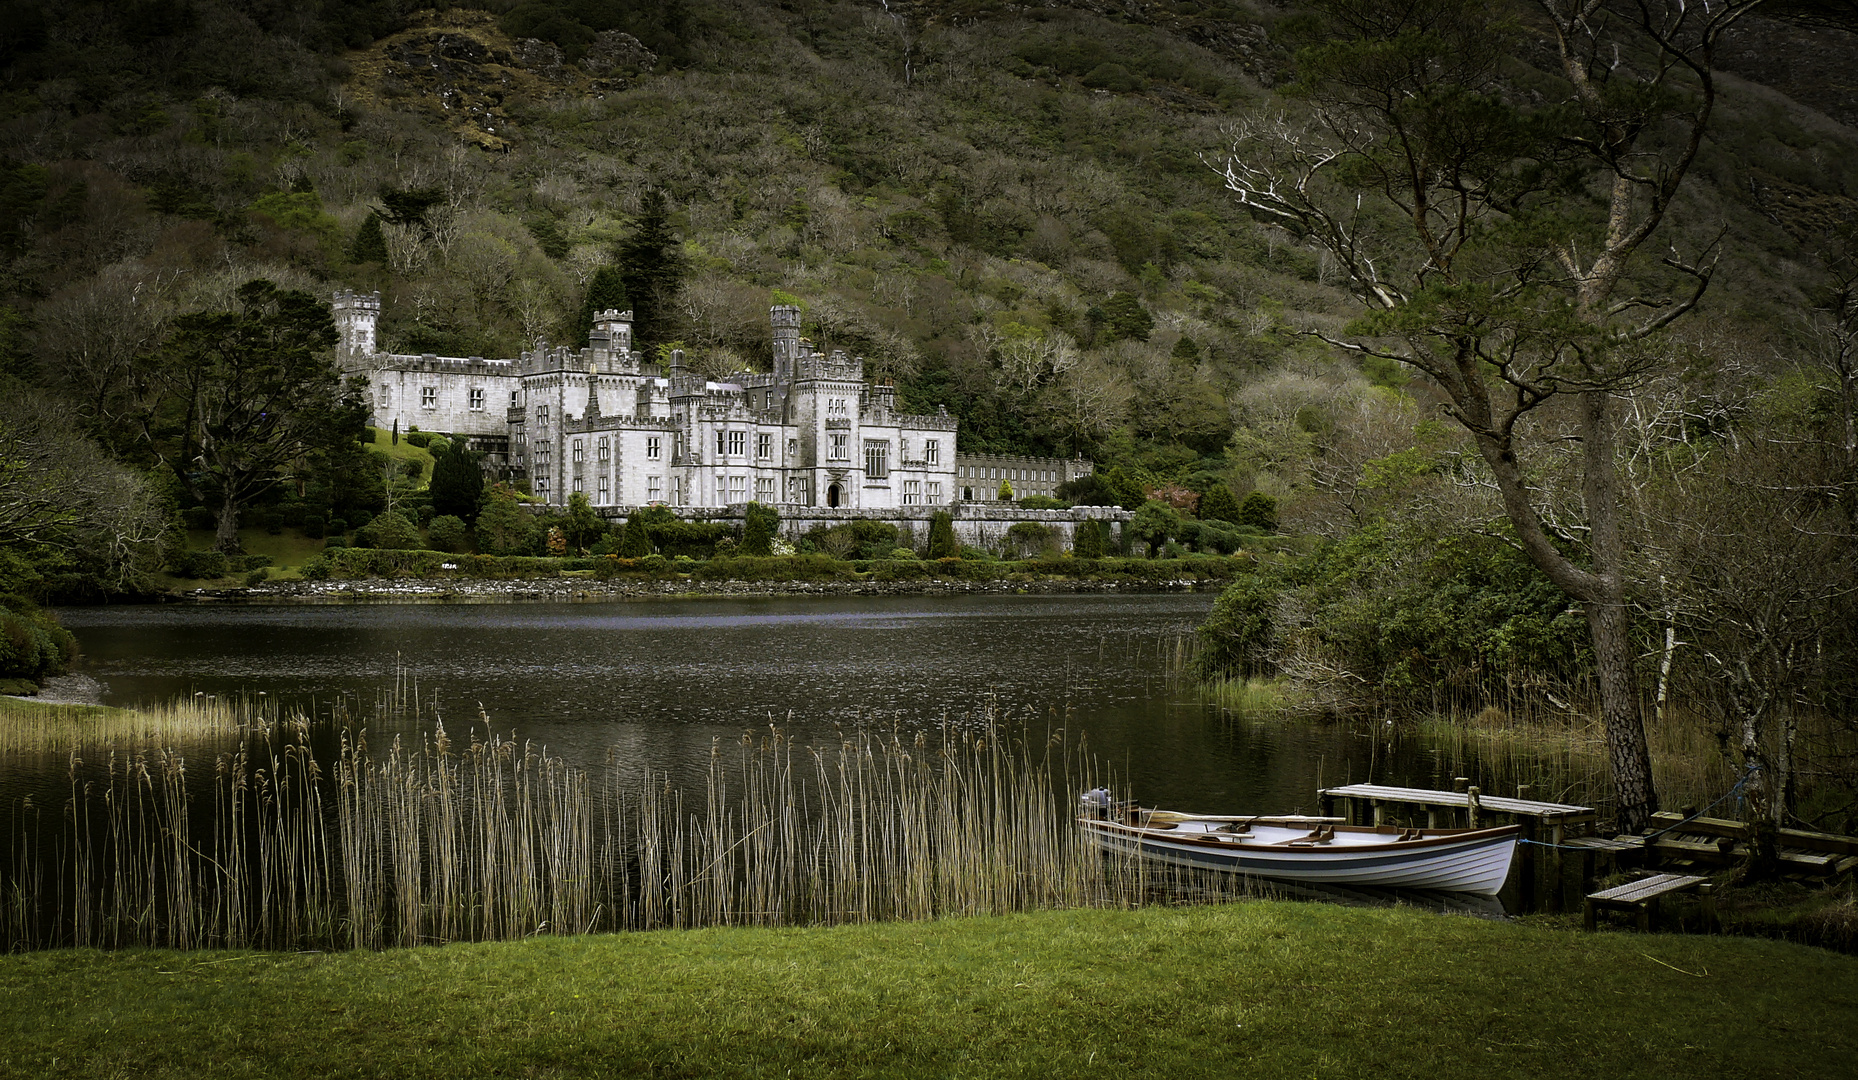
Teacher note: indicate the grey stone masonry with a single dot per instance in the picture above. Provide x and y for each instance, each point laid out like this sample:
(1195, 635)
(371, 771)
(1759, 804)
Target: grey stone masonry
(599, 422)
(978, 476)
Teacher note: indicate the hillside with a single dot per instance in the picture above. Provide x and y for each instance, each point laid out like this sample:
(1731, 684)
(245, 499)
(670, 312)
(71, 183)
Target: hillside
(1010, 210)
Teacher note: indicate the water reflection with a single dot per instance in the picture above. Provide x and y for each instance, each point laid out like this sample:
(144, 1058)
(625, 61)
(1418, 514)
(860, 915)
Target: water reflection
(658, 682)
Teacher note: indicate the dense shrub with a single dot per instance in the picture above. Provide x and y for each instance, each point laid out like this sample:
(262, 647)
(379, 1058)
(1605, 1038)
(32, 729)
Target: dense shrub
(857, 539)
(391, 530)
(1088, 542)
(32, 644)
(1408, 621)
(421, 439)
(198, 564)
(504, 527)
(758, 528)
(448, 532)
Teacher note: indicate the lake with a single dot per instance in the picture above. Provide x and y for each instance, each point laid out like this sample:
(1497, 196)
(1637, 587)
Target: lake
(657, 682)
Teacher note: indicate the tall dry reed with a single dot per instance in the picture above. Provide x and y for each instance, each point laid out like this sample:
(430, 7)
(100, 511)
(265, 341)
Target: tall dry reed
(433, 841)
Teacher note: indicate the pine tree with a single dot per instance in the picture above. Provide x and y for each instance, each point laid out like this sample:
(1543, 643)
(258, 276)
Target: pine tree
(606, 291)
(652, 264)
(370, 243)
(1088, 541)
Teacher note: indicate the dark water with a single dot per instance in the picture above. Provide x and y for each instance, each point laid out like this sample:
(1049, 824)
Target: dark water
(658, 682)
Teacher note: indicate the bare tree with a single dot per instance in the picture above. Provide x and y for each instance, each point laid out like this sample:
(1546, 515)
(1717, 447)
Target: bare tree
(1460, 219)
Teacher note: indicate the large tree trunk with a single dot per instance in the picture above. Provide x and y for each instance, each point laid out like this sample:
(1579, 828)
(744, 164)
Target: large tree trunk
(226, 535)
(1608, 620)
(1620, 715)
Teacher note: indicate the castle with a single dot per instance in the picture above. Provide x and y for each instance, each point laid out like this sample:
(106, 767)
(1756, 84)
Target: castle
(599, 422)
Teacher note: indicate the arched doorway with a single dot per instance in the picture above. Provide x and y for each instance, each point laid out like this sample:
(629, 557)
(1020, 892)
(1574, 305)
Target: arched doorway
(832, 495)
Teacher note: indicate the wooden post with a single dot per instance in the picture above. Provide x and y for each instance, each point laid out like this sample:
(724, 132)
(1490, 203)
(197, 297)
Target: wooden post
(1590, 915)
(1376, 810)
(1471, 807)
(1328, 803)
(1709, 907)
(1557, 832)
(1458, 782)
(1432, 817)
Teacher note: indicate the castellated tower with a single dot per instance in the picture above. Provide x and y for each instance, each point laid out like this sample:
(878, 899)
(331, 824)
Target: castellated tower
(355, 317)
(786, 320)
(612, 333)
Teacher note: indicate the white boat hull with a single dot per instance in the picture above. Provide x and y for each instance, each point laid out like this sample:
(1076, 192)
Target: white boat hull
(1456, 860)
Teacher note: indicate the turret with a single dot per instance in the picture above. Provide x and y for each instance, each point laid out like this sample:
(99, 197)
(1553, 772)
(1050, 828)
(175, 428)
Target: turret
(786, 320)
(356, 315)
(612, 332)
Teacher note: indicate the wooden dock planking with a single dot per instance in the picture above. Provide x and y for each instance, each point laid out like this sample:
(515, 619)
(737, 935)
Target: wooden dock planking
(1460, 800)
(1642, 896)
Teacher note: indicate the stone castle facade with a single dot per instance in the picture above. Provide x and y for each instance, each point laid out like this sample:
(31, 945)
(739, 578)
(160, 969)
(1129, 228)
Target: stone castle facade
(600, 422)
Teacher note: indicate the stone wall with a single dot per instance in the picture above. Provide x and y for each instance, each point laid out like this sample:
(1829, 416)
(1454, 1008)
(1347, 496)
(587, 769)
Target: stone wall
(981, 525)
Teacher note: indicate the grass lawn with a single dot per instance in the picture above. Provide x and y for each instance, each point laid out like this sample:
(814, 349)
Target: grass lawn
(1255, 989)
(404, 451)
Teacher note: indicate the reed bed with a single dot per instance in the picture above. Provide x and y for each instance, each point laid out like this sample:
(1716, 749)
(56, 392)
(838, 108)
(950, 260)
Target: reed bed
(487, 839)
(30, 726)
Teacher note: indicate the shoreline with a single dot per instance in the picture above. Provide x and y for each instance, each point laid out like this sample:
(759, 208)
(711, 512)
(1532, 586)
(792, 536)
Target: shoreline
(593, 590)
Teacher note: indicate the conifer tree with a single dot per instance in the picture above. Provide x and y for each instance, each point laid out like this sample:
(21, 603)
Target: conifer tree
(370, 244)
(651, 264)
(942, 542)
(606, 291)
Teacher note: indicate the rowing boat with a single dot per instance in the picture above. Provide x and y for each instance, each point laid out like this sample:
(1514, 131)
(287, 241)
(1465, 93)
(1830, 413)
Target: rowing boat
(1309, 849)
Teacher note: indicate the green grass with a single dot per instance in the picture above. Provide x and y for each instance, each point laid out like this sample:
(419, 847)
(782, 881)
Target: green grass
(1254, 989)
(404, 451)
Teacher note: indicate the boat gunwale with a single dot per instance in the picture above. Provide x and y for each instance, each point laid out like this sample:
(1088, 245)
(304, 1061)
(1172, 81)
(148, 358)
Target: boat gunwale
(1393, 843)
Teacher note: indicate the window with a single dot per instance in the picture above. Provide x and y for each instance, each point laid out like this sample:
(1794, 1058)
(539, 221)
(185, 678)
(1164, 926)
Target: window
(387, 395)
(541, 487)
(577, 451)
(768, 400)
(577, 485)
(912, 492)
(654, 489)
(876, 459)
(541, 413)
(541, 457)
(603, 489)
(932, 452)
(477, 399)
(764, 489)
(738, 489)
(514, 403)
(935, 493)
(764, 445)
(428, 397)
(604, 451)
(839, 450)
(738, 442)
(652, 447)
(720, 436)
